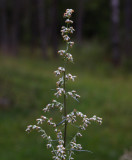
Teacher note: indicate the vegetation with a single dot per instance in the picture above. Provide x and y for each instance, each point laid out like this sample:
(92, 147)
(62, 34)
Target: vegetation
(59, 145)
(23, 90)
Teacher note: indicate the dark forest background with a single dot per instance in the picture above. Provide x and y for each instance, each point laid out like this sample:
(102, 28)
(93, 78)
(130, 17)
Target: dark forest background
(36, 24)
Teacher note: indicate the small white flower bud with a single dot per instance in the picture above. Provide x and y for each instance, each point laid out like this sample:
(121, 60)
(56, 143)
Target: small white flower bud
(68, 21)
(49, 145)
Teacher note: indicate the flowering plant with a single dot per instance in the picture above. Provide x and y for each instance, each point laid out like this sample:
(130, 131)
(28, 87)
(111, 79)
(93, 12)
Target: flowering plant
(60, 147)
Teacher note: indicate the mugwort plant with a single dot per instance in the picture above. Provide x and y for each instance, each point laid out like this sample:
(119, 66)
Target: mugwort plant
(61, 149)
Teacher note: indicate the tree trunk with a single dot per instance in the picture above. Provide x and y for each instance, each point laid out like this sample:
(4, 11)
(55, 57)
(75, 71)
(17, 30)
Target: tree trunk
(54, 27)
(128, 28)
(34, 25)
(31, 23)
(42, 27)
(79, 25)
(116, 56)
(15, 26)
(3, 27)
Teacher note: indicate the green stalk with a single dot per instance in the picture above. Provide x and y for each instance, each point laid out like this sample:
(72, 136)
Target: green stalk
(65, 109)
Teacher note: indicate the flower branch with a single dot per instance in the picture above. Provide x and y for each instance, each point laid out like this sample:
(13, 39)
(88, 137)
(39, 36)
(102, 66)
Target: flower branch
(61, 148)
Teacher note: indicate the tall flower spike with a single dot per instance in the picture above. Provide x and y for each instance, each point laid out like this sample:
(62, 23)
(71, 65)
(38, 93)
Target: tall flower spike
(63, 149)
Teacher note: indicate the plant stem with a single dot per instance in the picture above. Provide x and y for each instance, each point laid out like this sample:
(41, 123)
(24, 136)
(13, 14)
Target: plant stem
(65, 109)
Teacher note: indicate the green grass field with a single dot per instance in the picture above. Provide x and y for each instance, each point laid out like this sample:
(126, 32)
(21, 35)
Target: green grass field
(25, 88)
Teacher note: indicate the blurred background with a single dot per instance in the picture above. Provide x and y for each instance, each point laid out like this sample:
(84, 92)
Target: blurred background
(29, 40)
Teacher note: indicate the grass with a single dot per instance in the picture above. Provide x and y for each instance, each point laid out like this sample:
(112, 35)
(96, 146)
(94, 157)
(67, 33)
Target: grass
(25, 88)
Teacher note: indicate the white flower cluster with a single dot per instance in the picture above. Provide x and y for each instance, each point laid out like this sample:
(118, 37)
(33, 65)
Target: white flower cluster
(67, 56)
(71, 44)
(73, 94)
(60, 153)
(59, 135)
(65, 30)
(68, 21)
(59, 92)
(79, 134)
(54, 104)
(61, 52)
(97, 119)
(39, 129)
(68, 13)
(32, 127)
(60, 82)
(59, 71)
(66, 38)
(70, 77)
(43, 118)
(75, 146)
(51, 123)
(44, 135)
(71, 118)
